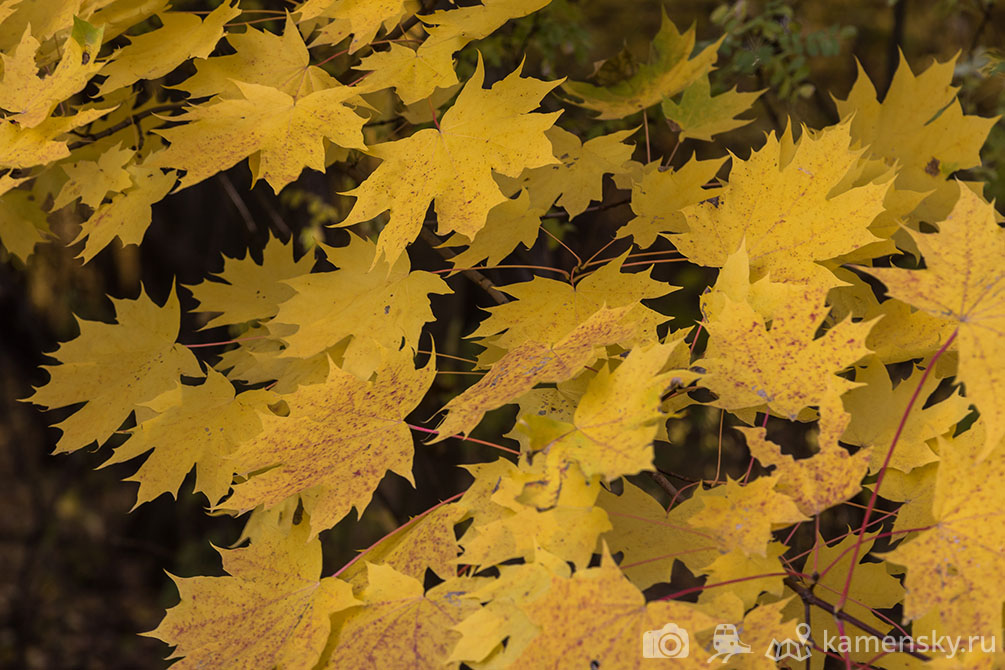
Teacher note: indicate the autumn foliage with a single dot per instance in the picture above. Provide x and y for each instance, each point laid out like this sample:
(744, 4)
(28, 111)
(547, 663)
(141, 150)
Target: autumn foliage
(859, 298)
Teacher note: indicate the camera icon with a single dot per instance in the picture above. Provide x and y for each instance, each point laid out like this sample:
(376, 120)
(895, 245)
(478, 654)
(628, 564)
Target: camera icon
(670, 641)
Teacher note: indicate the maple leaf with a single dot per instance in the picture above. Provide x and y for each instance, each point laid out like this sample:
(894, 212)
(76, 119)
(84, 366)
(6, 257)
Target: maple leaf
(964, 281)
(921, 127)
(154, 54)
(415, 74)
(196, 426)
(252, 292)
(285, 133)
(529, 364)
(22, 223)
(424, 542)
(31, 98)
(546, 505)
(341, 436)
(651, 538)
(598, 617)
(115, 367)
(485, 131)
(272, 610)
(27, 147)
(509, 223)
(753, 574)
(128, 214)
(91, 180)
(546, 310)
(261, 57)
(877, 409)
(743, 516)
(700, 115)
(363, 298)
(659, 195)
(669, 72)
(615, 422)
(948, 564)
(359, 18)
(786, 210)
(748, 364)
(398, 621)
(829, 477)
(578, 179)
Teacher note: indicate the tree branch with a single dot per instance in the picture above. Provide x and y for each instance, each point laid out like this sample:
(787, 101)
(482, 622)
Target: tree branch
(810, 598)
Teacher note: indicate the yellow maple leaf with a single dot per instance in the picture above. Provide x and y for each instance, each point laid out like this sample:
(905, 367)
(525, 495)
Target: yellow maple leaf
(877, 409)
(182, 35)
(749, 365)
(548, 504)
(964, 281)
(701, 115)
(115, 367)
(743, 516)
(921, 127)
(272, 610)
(128, 214)
(259, 57)
(615, 422)
(752, 574)
(669, 72)
(196, 426)
(27, 147)
(598, 617)
(359, 18)
(91, 180)
(785, 209)
(509, 223)
(363, 298)
(948, 565)
(427, 542)
(546, 310)
(31, 98)
(285, 133)
(651, 538)
(830, 476)
(416, 73)
(22, 223)
(399, 623)
(660, 195)
(252, 292)
(485, 131)
(341, 437)
(532, 363)
(578, 179)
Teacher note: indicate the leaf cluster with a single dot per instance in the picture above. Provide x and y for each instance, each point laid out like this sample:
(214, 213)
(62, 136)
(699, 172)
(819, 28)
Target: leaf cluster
(849, 338)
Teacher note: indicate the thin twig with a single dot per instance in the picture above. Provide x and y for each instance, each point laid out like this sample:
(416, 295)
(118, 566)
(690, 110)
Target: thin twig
(665, 484)
(474, 275)
(111, 130)
(595, 208)
(235, 197)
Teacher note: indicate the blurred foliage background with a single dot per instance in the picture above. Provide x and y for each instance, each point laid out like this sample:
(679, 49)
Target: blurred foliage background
(81, 574)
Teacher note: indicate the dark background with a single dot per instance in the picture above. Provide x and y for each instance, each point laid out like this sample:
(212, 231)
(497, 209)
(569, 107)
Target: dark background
(81, 575)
